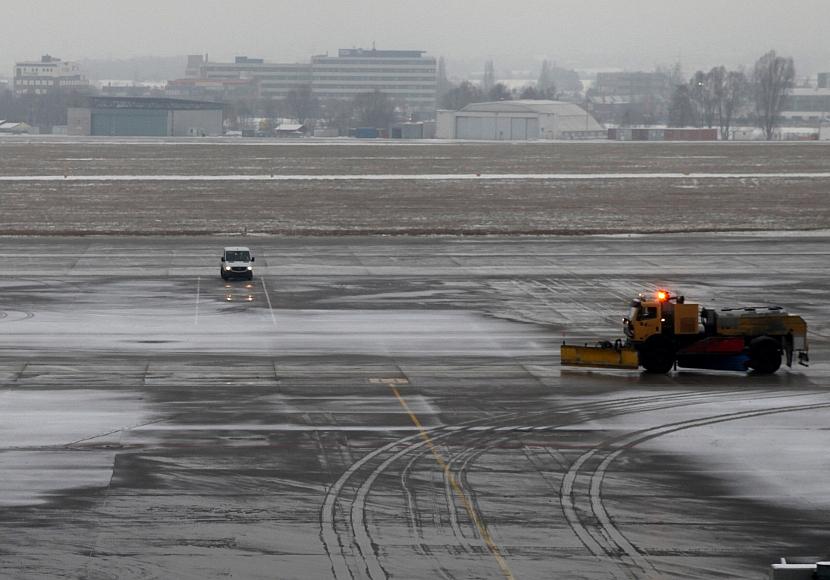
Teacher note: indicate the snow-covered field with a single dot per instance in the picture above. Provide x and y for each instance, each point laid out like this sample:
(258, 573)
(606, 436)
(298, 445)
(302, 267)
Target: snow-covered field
(63, 186)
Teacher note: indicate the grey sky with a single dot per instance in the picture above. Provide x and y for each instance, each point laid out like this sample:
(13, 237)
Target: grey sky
(579, 33)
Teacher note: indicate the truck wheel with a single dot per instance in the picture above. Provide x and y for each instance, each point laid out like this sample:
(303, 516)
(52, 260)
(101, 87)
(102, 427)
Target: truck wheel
(764, 355)
(657, 355)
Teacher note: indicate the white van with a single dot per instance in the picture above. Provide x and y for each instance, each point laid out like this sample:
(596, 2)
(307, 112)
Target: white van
(237, 262)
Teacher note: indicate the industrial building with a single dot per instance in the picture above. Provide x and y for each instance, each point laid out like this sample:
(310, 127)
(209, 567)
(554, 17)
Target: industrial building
(47, 75)
(519, 121)
(146, 117)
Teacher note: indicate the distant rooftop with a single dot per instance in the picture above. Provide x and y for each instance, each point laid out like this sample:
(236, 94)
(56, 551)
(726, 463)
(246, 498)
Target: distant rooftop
(45, 59)
(372, 53)
(571, 117)
(151, 103)
(809, 91)
(246, 60)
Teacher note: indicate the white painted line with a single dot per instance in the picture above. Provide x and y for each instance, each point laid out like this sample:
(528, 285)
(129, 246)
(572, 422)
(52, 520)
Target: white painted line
(198, 290)
(418, 177)
(268, 298)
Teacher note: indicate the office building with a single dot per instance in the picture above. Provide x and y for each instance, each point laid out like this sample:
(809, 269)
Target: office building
(49, 74)
(273, 80)
(406, 76)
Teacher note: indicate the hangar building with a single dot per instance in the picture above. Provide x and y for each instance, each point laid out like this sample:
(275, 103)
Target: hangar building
(519, 121)
(145, 117)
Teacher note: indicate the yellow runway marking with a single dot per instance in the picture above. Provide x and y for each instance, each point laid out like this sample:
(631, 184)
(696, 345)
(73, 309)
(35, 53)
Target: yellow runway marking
(439, 459)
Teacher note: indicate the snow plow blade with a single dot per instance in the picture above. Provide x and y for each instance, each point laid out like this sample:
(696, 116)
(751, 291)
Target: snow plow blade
(605, 356)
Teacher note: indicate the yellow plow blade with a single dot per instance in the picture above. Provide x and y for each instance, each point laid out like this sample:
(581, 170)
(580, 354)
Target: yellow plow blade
(607, 357)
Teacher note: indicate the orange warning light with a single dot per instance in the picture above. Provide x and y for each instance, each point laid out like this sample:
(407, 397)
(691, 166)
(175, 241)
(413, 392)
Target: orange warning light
(662, 295)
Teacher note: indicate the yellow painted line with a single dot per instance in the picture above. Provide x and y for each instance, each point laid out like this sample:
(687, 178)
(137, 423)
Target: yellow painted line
(439, 459)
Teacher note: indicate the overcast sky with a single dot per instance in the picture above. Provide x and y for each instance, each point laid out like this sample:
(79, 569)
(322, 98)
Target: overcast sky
(627, 34)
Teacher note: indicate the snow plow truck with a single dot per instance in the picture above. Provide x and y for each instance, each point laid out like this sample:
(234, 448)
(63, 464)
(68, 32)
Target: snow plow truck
(664, 332)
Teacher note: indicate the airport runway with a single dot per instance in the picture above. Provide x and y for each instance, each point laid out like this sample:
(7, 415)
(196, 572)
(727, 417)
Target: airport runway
(395, 408)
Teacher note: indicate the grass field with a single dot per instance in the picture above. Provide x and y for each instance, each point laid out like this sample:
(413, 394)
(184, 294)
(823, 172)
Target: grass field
(104, 186)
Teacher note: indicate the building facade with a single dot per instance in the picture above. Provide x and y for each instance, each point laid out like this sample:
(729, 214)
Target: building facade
(145, 117)
(49, 74)
(273, 80)
(406, 76)
(807, 107)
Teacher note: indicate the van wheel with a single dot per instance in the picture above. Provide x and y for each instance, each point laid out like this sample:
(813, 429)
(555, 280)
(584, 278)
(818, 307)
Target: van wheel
(657, 355)
(764, 355)
(250, 275)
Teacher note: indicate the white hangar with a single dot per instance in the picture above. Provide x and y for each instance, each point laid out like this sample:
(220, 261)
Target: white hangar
(519, 121)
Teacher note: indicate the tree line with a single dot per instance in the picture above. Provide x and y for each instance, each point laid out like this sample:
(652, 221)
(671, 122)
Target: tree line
(458, 96)
(718, 97)
(375, 109)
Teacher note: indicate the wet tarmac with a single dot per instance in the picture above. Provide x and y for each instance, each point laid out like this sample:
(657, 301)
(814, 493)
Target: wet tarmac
(395, 408)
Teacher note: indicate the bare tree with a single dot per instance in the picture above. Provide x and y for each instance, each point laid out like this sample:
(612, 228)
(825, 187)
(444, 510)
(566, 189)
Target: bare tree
(337, 113)
(735, 93)
(461, 96)
(529, 92)
(681, 108)
(374, 109)
(442, 84)
(773, 78)
(716, 81)
(546, 82)
(302, 104)
(489, 79)
(702, 93)
(499, 92)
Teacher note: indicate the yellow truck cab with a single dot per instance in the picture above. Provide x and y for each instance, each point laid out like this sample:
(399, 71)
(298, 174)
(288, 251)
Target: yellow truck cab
(664, 330)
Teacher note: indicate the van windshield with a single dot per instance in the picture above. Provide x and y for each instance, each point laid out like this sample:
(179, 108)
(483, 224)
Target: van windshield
(238, 256)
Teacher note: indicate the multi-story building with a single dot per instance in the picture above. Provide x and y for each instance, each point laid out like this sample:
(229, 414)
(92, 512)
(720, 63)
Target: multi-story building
(806, 106)
(274, 80)
(406, 76)
(213, 89)
(47, 75)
